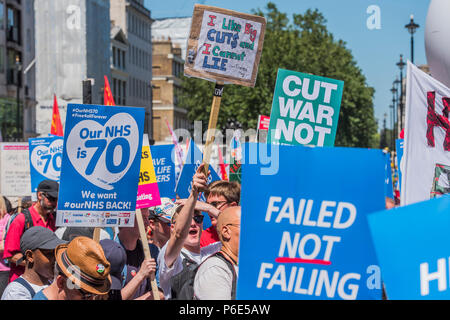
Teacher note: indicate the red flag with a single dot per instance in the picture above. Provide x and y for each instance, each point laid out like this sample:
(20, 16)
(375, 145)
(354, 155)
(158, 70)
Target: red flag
(56, 128)
(108, 99)
(223, 170)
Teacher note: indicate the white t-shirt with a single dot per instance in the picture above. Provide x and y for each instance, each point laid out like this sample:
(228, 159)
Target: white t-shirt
(214, 280)
(166, 273)
(16, 291)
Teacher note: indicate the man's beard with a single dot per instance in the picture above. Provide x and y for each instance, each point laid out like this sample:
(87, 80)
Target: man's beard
(48, 209)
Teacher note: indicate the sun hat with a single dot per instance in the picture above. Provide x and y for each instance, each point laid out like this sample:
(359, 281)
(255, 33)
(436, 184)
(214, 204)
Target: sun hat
(83, 261)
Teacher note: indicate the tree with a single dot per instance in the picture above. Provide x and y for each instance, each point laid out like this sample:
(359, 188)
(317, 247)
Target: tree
(305, 46)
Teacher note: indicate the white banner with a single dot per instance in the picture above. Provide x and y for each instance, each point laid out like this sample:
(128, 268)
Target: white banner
(427, 138)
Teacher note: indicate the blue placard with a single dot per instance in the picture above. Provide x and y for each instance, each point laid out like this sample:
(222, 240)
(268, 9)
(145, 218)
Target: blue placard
(183, 189)
(45, 160)
(411, 243)
(389, 187)
(304, 232)
(100, 166)
(399, 149)
(164, 169)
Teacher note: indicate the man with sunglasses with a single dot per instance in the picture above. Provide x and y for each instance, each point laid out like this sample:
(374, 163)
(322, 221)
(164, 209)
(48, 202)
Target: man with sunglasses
(38, 247)
(41, 214)
(182, 253)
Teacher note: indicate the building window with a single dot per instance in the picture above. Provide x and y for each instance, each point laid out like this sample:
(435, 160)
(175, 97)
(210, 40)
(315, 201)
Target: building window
(2, 13)
(114, 56)
(13, 25)
(123, 60)
(124, 91)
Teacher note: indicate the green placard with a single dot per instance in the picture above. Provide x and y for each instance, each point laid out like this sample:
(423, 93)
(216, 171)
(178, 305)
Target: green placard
(305, 109)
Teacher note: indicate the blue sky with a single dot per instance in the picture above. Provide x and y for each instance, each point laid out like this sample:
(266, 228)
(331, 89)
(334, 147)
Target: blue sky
(376, 51)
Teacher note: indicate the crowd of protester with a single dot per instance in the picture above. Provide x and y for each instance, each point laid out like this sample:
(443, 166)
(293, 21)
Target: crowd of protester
(41, 261)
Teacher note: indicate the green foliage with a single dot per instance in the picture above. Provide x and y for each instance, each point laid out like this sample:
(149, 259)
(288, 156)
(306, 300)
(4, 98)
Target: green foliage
(305, 46)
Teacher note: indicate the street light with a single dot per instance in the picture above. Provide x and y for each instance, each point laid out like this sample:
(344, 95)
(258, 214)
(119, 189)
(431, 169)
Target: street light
(18, 124)
(394, 100)
(401, 65)
(412, 26)
(397, 86)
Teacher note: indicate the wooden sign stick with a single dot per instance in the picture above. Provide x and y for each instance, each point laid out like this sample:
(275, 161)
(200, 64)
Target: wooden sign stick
(96, 236)
(213, 116)
(146, 248)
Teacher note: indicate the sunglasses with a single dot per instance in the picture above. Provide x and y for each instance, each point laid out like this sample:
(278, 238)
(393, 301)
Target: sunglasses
(50, 198)
(198, 218)
(216, 204)
(86, 295)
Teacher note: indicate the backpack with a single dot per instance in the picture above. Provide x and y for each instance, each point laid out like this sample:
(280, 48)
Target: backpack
(27, 286)
(182, 284)
(28, 224)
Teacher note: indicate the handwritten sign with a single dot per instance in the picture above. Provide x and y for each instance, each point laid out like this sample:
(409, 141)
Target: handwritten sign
(15, 170)
(224, 45)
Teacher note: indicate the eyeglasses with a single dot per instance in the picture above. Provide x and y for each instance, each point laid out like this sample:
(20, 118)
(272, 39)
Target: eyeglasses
(198, 218)
(50, 198)
(215, 204)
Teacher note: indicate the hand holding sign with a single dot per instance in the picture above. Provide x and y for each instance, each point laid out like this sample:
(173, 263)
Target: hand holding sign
(199, 181)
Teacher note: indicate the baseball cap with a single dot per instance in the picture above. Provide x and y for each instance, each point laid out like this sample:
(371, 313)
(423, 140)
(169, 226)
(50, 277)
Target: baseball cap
(117, 257)
(164, 211)
(39, 238)
(49, 187)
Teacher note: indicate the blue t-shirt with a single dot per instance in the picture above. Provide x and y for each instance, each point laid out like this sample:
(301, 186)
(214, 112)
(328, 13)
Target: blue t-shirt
(40, 296)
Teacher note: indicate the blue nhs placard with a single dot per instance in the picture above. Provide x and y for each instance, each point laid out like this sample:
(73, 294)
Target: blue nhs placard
(45, 160)
(304, 232)
(100, 167)
(164, 169)
(411, 243)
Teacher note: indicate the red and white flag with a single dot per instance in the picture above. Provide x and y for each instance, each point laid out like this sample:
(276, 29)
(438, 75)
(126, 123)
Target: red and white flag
(427, 138)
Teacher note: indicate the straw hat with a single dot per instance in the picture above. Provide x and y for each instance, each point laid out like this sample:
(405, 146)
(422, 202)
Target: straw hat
(83, 262)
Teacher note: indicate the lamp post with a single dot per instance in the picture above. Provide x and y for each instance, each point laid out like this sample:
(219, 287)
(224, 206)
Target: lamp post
(401, 65)
(18, 124)
(412, 26)
(392, 106)
(397, 86)
(394, 100)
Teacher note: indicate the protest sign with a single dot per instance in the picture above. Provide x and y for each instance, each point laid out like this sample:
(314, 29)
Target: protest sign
(164, 169)
(262, 128)
(427, 138)
(148, 192)
(184, 184)
(191, 164)
(224, 45)
(100, 166)
(304, 231)
(399, 148)
(263, 122)
(15, 169)
(45, 160)
(411, 244)
(389, 187)
(305, 109)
